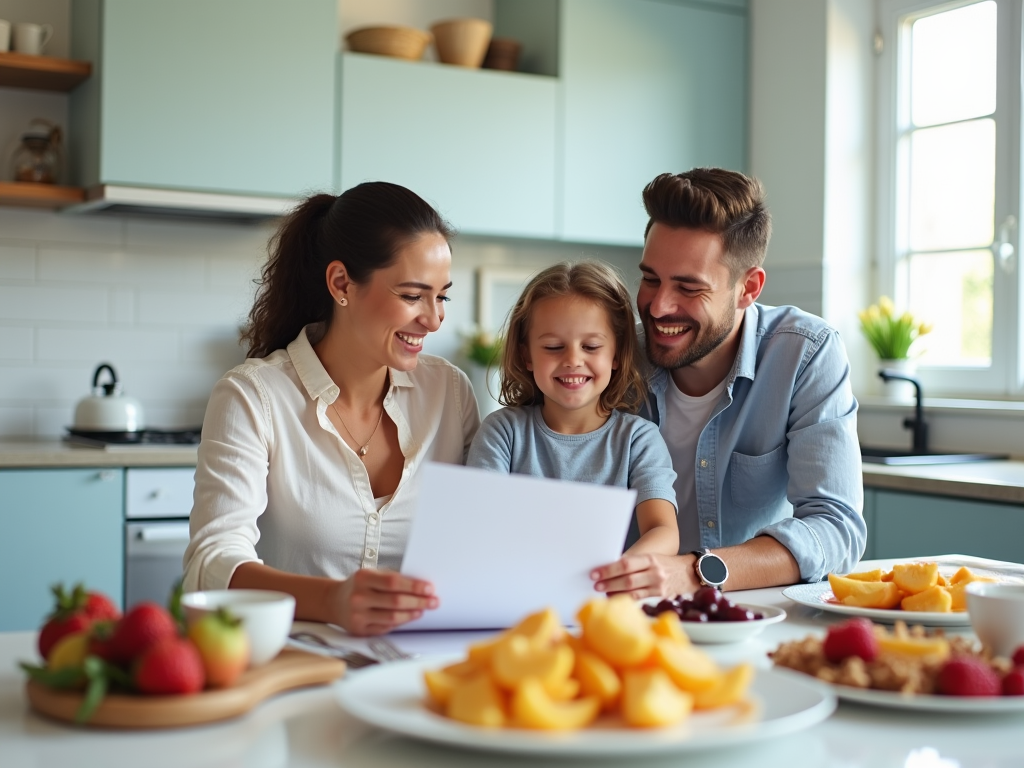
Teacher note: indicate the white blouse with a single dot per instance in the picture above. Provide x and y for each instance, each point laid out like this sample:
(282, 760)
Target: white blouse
(277, 484)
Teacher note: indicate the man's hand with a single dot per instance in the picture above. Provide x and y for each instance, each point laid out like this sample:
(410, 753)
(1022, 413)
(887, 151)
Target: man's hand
(371, 602)
(647, 575)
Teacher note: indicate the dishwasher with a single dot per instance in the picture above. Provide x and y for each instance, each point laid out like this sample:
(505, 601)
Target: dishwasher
(157, 506)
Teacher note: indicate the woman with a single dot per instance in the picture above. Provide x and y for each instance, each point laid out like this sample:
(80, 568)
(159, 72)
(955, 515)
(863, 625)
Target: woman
(319, 435)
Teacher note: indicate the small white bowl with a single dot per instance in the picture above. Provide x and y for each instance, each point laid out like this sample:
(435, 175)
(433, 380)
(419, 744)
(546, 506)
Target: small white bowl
(997, 615)
(733, 631)
(267, 616)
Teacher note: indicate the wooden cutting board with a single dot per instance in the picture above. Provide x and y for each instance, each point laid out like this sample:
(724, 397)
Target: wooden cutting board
(291, 669)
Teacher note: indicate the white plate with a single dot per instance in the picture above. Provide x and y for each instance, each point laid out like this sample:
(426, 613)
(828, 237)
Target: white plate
(733, 631)
(820, 596)
(930, 703)
(392, 697)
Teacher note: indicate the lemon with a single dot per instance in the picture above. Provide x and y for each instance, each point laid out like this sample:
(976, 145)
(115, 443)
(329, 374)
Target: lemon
(69, 652)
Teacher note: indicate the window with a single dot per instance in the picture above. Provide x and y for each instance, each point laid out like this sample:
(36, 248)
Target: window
(949, 176)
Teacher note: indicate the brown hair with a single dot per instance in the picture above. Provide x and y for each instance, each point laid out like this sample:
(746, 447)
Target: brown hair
(715, 200)
(590, 280)
(364, 228)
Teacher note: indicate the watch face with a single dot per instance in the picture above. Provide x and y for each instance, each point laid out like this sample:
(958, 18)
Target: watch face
(713, 570)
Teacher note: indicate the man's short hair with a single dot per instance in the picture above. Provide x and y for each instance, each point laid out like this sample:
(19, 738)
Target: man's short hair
(715, 200)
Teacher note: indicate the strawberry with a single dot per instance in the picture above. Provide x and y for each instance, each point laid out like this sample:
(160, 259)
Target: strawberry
(855, 637)
(144, 625)
(73, 612)
(1013, 682)
(1018, 657)
(169, 666)
(968, 676)
(100, 636)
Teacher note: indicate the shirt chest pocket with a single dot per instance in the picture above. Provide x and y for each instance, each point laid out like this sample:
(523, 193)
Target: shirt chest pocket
(758, 482)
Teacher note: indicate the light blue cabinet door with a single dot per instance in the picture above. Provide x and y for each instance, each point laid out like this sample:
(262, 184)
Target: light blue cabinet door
(870, 505)
(58, 525)
(218, 95)
(478, 144)
(913, 525)
(649, 87)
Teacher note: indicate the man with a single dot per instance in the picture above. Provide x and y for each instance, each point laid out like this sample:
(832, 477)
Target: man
(754, 402)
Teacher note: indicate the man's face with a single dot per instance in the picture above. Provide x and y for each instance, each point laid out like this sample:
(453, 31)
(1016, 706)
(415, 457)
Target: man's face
(687, 298)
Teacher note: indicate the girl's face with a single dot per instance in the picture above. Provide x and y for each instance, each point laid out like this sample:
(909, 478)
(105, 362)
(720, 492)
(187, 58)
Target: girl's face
(394, 311)
(571, 351)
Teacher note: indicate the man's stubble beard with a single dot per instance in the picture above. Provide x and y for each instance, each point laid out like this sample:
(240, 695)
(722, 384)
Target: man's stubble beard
(707, 341)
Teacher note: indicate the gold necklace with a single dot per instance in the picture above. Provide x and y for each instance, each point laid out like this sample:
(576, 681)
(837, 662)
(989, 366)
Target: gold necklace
(365, 448)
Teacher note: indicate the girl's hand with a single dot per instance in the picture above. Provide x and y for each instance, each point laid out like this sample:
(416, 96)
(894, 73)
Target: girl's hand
(371, 602)
(646, 575)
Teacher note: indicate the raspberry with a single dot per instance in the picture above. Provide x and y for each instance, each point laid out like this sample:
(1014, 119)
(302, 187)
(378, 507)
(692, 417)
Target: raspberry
(1018, 657)
(1013, 682)
(855, 637)
(968, 676)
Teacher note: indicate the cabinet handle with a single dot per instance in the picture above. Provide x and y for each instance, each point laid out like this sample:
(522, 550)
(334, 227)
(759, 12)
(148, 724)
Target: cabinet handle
(106, 474)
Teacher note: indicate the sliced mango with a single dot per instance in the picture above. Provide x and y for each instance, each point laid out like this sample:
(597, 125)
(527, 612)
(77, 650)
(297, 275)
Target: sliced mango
(873, 594)
(618, 631)
(731, 688)
(649, 699)
(597, 678)
(533, 707)
(935, 599)
(913, 578)
(921, 647)
(517, 658)
(875, 575)
(478, 701)
(668, 624)
(687, 666)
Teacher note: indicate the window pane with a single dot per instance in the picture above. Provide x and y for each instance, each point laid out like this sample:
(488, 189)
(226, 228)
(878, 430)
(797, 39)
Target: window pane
(953, 65)
(953, 292)
(952, 186)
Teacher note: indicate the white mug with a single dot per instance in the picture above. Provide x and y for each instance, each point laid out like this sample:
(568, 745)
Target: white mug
(31, 38)
(5, 35)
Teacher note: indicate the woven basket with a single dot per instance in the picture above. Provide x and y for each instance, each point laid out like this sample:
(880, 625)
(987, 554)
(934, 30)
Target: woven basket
(399, 42)
(462, 41)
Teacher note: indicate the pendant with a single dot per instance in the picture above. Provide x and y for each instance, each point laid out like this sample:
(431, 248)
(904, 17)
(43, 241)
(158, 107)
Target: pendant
(363, 451)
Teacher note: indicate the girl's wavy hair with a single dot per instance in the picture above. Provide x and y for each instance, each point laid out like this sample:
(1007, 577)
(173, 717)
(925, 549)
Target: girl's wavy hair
(593, 281)
(364, 228)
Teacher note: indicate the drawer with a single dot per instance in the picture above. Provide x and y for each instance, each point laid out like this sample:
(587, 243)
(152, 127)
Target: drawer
(155, 493)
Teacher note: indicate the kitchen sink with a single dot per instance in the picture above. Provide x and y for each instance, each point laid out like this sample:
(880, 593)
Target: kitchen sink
(897, 457)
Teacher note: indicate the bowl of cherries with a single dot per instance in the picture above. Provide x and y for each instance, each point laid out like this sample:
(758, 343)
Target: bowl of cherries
(708, 616)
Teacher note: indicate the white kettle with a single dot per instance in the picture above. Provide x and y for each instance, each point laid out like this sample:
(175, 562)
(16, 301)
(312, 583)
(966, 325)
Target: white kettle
(108, 409)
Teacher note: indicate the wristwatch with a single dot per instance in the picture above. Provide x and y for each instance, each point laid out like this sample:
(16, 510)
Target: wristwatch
(710, 568)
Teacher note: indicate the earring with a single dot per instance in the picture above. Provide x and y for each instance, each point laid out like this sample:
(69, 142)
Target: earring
(343, 301)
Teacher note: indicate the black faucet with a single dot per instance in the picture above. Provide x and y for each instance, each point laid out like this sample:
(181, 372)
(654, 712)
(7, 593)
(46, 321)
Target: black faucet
(917, 424)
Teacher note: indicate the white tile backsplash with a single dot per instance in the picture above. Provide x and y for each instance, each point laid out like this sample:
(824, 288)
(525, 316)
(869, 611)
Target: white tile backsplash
(163, 301)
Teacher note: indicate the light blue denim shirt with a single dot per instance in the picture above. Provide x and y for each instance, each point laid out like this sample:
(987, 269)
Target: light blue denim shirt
(780, 454)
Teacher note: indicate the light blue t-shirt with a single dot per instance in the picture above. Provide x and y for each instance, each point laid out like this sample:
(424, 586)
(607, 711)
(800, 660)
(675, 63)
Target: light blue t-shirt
(627, 452)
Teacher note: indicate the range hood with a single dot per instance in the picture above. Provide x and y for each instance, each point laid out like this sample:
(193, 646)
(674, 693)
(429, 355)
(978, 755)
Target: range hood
(169, 203)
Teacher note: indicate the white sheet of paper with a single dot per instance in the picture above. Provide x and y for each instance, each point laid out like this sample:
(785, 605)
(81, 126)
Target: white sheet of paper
(498, 547)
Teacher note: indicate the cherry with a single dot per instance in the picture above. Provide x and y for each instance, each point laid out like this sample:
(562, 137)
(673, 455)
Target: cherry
(694, 615)
(1018, 657)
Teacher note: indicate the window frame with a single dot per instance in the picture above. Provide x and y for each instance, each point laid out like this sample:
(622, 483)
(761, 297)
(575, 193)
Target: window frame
(1005, 377)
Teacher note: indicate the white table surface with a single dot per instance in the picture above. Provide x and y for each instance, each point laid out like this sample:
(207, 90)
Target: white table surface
(307, 727)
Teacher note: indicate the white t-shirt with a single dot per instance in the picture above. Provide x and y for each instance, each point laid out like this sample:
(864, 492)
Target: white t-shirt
(277, 484)
(681, 424)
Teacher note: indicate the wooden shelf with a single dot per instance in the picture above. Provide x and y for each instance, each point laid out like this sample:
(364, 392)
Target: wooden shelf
(44, 73)
(28, 195)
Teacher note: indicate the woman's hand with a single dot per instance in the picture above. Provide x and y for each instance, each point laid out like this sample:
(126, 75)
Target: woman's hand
(646, 575)
(371, 602)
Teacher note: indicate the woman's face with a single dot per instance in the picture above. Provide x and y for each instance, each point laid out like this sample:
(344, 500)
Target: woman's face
(394, 311)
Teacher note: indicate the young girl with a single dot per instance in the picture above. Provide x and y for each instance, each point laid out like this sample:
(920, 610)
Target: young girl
(570, 378)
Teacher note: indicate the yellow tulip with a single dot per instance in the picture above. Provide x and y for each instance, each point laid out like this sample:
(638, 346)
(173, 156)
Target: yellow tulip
(886, 306)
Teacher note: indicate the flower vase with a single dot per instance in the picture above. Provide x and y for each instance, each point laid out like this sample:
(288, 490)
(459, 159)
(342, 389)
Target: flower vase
(486, 383)
(898, 391)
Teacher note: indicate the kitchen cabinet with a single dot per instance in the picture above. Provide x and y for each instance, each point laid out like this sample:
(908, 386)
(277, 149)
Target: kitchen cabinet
(914, 525)
(58, 525)
(231, 96)
(478, 144)
(648, 87)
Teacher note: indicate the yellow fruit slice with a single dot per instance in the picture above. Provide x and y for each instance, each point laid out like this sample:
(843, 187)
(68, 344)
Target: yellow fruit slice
(618, 631)
(477, 701)
(649, 699)
(687, 666)
(919, 647)
(517, 658)
(873, 594)
(731, 689)
(69, 652)
(668, 624)
(533, 707)
(913, 578)
(936, 599)
(597, 678)
(875, 575)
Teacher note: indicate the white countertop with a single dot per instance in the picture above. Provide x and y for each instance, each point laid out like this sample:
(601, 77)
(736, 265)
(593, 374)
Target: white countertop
(1001, 481)
(308, 728)
(44, 454)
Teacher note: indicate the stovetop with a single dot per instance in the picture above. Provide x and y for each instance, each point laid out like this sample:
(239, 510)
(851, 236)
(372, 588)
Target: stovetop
(189, 436)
